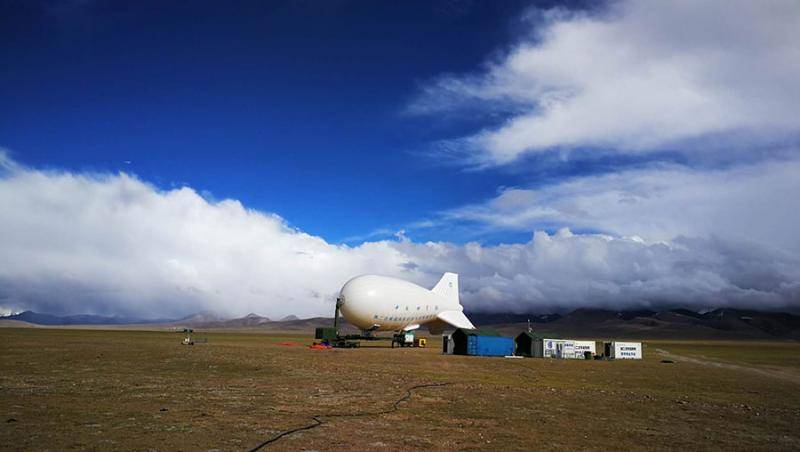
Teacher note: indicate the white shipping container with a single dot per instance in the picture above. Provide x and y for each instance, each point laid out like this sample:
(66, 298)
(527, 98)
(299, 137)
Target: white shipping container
(549, 347)
(582, 347)
(626, 350)
(565, 349)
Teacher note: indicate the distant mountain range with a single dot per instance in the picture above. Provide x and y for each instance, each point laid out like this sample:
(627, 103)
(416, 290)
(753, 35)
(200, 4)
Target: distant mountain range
(207, 320)
(482, 318)
(80, 319)
(724, 323)
(254, 321)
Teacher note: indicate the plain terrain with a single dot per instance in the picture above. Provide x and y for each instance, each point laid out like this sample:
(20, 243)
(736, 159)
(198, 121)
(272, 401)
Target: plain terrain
(72, 388)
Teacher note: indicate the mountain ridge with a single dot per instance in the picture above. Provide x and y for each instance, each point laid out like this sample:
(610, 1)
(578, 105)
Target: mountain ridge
(720, 323)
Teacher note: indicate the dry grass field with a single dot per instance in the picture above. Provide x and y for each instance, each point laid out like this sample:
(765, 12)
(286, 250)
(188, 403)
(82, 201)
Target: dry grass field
(134, 390)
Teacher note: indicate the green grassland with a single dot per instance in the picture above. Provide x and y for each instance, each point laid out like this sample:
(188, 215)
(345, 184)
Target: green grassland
(74, 389)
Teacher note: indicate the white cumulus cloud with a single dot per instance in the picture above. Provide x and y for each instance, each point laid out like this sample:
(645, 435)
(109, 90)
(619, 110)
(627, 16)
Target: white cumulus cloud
(749, 203)
(638, 77)
(566, 270)
(114, 244)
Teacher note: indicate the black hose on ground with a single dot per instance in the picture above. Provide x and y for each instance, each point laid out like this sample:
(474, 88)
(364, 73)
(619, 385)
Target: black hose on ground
(319, 418)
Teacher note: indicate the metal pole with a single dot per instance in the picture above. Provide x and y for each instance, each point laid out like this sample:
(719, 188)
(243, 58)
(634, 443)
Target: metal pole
(336, 315)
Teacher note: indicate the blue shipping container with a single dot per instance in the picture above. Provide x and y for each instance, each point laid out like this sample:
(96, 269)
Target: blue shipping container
(490, 346)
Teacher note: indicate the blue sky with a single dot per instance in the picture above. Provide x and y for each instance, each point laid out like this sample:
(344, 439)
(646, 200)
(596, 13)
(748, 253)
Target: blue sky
(161, 158)
(298, 108)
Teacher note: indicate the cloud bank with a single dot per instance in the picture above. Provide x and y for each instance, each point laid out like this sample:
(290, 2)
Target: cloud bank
(114, 244)
(756, 203)
(638, 77)
(719, 78)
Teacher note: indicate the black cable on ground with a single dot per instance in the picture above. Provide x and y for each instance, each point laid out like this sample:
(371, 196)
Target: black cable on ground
(318, 419)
